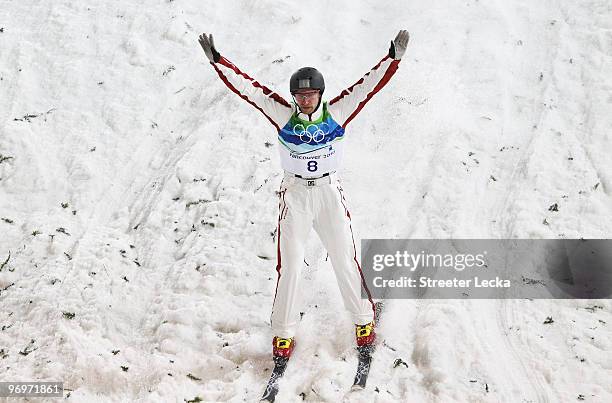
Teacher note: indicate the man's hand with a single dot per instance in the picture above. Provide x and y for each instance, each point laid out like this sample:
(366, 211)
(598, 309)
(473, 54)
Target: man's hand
(207, 43)
(399, 44)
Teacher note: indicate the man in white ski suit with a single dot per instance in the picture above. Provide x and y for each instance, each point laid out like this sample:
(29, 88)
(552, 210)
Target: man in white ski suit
(311, 134)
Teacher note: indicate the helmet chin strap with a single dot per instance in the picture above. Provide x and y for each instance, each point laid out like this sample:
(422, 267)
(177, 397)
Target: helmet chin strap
(319, 103)
(313, 111)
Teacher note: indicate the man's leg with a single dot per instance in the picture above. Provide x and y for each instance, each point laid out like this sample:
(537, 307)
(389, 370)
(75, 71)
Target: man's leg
(294, 224)
(333, 224)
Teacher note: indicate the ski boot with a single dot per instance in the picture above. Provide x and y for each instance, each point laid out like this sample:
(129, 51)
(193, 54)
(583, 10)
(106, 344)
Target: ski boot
(282, 347)
(365, 335)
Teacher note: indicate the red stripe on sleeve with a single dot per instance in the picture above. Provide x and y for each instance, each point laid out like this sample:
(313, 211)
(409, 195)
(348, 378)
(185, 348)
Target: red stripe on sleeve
(384, 80)
(347, 91)
(231, 87)
(224, 62)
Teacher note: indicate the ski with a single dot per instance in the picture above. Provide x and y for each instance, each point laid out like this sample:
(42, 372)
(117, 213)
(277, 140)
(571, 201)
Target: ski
(363, 367)
(280, 363)
(364, 355)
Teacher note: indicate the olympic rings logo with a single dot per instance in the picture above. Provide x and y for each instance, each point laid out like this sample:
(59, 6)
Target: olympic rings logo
(312, 132)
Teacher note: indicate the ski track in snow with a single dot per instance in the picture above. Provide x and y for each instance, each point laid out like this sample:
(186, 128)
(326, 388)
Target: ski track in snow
(155, 278)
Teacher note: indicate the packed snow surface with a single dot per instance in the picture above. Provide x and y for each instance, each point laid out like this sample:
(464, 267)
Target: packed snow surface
(138, 205)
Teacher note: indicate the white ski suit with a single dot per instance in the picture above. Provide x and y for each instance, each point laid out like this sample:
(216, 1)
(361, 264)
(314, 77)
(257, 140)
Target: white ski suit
(311, 195)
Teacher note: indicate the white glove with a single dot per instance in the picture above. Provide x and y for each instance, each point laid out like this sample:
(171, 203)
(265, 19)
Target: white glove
(208, 45)
(399, 44)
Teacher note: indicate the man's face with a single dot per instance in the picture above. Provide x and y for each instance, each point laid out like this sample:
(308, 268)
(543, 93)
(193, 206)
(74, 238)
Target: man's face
(307, 100)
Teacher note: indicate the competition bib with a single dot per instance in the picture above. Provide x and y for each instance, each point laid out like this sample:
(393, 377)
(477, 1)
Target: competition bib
(311, 149)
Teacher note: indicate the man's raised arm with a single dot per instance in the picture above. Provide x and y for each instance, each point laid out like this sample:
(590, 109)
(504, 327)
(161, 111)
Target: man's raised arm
(351, 100)
(272, 105)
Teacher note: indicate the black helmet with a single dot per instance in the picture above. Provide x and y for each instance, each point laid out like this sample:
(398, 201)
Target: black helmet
(307, 77)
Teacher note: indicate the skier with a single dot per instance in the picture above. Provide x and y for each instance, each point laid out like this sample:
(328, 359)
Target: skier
(310, 133)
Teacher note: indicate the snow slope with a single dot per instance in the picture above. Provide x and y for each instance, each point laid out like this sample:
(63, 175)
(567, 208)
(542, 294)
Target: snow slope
(138, 209)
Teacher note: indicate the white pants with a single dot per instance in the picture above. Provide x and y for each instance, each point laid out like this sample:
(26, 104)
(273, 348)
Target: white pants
(319, 203)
